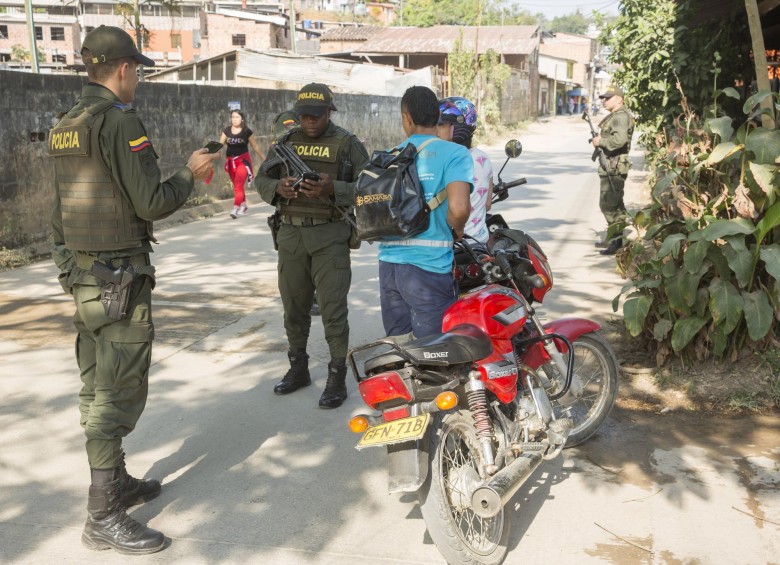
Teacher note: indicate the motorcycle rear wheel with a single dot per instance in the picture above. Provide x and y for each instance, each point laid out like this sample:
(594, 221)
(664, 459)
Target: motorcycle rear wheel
(460, 535)
(596, 365)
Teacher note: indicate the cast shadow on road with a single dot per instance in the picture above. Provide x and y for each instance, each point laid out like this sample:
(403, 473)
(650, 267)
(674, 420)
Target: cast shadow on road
(245, 469)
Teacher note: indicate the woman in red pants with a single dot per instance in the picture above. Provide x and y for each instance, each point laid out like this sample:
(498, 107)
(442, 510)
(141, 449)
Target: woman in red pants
(238, 137)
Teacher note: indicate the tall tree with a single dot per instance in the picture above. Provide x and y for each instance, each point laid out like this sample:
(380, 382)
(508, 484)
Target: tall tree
(571, 23)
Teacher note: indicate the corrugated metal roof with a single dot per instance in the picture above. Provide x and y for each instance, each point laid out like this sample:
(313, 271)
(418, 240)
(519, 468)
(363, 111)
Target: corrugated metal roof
(509, 40)
(351, 33)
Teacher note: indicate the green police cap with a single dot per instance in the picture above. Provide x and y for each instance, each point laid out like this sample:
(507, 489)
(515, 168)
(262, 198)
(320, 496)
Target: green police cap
(108, 43)
(611, 91)
(313, 99)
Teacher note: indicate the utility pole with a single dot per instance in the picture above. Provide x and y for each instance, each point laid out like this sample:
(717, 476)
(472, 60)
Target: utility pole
(139, 40)
(759, 59)
(292, 26)
(31, 27)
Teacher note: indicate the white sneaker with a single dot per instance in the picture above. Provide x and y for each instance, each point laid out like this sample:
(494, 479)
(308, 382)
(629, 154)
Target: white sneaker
(234, 213)
(243, 210)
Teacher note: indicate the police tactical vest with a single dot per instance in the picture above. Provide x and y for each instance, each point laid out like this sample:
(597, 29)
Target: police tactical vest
(606, 127)
(96, 216)
(323, 155)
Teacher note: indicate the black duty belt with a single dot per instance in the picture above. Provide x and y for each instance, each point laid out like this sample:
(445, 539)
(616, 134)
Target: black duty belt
(304, 222)
(85, 260)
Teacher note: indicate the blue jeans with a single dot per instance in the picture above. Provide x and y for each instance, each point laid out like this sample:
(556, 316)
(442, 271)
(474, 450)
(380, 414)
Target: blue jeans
(414, 300)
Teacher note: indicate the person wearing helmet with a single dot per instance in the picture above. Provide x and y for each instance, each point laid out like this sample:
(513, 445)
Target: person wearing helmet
(457, 123)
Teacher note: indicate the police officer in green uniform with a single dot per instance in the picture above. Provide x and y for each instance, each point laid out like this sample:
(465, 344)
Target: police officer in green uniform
(108, 192)
(313, 239)
(615, 139)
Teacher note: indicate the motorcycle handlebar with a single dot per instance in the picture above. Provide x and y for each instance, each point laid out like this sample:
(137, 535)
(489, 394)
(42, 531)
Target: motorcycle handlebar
(515, 183)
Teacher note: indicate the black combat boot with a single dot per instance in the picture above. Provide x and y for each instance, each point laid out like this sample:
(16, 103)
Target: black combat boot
(335, 392)
(108, 525)
(135, 491)
(613, 246)
(298, 375)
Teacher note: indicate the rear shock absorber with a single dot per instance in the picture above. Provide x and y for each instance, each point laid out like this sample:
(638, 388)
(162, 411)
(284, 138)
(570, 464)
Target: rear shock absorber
(477, 399)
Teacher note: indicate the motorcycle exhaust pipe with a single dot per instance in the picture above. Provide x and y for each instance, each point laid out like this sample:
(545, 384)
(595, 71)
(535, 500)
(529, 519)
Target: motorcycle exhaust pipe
(488, 500)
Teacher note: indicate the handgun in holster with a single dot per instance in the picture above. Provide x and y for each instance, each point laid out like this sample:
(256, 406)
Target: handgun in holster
(275, 223)
(115, 293)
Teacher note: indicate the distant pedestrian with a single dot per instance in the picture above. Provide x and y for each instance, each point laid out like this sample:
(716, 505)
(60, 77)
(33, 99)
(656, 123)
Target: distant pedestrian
(238, 164)
(615, 139)
(108, 192)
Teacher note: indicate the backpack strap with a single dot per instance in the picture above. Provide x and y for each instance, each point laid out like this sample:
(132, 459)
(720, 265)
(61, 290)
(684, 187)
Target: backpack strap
(440, 196)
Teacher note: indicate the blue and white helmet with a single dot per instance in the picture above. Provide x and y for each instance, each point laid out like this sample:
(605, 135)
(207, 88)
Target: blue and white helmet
(457, 110)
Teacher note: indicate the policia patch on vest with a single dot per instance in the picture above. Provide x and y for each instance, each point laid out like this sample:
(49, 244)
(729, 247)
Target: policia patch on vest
(69, 140)
(322, 152)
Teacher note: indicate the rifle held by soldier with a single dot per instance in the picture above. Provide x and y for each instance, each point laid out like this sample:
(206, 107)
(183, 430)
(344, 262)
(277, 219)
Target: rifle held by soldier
(598, 152)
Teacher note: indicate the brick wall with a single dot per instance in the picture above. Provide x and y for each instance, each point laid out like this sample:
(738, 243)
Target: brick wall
(178, 118)
(258, 35)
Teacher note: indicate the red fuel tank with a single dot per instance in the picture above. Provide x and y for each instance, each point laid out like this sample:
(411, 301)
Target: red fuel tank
(494, 309)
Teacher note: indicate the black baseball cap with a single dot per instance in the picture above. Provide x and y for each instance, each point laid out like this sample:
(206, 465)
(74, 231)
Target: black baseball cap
(108, 43)
(313, 100)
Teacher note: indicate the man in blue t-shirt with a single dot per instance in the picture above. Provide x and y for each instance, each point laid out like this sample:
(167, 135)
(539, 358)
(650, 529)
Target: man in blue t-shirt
(415, 274)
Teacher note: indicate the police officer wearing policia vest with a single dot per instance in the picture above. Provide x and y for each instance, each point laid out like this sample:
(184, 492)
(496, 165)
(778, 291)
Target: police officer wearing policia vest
(313, 239)
(108, 192)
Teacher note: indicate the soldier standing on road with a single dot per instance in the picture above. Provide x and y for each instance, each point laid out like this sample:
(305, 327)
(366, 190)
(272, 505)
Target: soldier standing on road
(615, 139)
(108, 192)
(314, 238)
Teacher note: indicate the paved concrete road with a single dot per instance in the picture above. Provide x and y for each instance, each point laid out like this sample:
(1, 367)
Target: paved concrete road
(254, 478)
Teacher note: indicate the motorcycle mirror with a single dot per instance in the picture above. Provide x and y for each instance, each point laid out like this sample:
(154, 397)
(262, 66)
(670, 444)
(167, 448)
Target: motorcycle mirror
(585, 114)
(513, 148)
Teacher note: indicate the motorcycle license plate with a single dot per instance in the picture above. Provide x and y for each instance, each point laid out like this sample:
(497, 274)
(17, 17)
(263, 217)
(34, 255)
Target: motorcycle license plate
(405, 429)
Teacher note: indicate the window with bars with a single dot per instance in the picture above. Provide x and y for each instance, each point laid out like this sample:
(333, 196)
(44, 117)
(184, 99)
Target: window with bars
(3, 32)
(39, 33)
(239, 39)
(175, 40)
(58, 34)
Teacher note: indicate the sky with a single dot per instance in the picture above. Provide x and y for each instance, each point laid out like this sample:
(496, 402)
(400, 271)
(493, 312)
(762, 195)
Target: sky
(555, 8)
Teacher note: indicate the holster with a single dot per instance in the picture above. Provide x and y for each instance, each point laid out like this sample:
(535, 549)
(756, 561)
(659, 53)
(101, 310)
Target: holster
(275, 223)
(116, 286)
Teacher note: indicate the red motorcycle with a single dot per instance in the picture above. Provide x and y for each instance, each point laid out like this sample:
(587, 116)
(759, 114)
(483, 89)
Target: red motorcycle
(468, 415)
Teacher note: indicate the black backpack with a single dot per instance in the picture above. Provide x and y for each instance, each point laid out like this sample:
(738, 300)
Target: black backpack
(389, 199)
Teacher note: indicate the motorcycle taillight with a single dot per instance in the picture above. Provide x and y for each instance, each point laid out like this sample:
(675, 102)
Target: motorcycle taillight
(383, 388)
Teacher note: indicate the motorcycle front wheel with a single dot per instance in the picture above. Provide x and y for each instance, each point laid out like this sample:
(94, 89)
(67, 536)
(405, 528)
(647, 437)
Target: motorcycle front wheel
(460, 535)
(597, 368)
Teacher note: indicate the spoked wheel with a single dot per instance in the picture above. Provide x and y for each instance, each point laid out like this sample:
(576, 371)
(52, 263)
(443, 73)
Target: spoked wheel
(597, 369)
(460, 535)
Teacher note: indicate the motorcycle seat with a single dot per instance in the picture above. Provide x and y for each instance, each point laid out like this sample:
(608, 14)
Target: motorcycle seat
(465, 343)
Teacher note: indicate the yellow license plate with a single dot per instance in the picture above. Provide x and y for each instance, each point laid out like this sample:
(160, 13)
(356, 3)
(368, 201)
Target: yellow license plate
(405, 429)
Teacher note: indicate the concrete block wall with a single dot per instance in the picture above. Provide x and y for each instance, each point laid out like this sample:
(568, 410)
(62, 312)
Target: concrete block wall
(178, 118)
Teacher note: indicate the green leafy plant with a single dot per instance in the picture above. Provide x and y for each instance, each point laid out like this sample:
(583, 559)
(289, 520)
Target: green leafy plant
(704, 276)
(656, 41)
(478, 78)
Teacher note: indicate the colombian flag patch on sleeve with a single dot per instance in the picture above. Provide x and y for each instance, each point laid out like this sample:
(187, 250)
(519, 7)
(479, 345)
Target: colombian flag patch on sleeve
(138, 144)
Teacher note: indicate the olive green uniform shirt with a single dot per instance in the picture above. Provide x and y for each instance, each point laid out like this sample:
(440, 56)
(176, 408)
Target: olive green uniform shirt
(135, 172)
